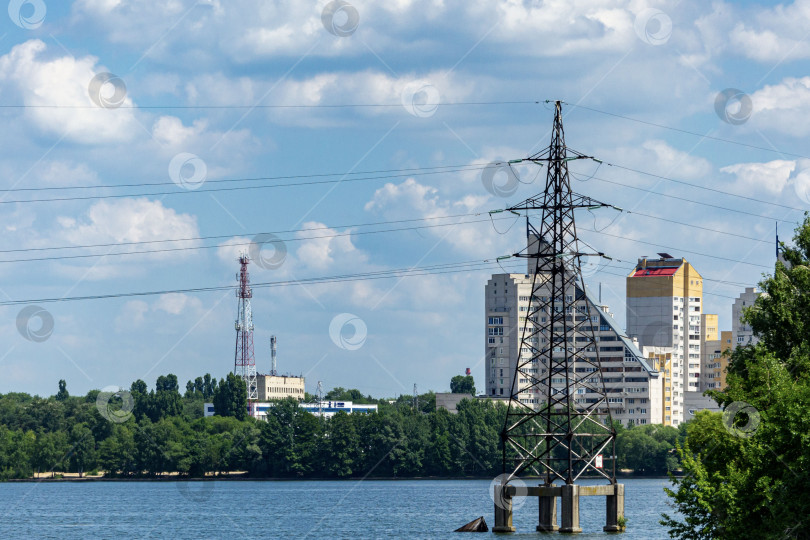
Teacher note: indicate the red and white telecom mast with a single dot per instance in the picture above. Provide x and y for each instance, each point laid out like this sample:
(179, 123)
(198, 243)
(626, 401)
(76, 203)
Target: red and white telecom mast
(244, 361)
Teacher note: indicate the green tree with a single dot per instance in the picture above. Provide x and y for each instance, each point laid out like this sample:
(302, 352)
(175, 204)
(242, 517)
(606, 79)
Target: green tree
(189, 390)
(342, 443)
(209, 386)
(230, 397)
(117, 454)
(746, 471)
(341, 394)
(50, 451)
(647, 449)
(83, 449)
(462, 384)
(140, 397)
(63, 394)
(165, 401)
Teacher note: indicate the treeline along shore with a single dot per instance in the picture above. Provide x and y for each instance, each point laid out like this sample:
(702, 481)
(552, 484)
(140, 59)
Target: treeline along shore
(161, 433)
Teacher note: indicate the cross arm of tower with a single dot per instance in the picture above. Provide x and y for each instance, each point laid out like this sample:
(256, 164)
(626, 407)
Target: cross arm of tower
(541, 202)
(545, 155)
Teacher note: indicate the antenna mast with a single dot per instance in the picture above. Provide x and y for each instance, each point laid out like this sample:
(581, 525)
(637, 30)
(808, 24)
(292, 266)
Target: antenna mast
(273, 343)
(320, 399)
(244, 360)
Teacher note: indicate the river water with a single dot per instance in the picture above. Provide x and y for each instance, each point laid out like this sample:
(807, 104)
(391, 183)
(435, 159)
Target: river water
(305, 509)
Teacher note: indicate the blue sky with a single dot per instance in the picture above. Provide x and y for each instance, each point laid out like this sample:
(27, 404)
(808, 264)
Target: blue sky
(193, 72)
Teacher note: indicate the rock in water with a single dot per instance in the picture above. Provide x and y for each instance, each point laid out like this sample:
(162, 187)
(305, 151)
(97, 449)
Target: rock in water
(476, 525)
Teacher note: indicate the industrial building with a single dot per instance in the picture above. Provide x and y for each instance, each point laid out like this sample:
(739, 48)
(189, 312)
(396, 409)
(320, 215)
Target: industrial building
(632, 384)
(280, 387)
(450, 401)
(326, 409)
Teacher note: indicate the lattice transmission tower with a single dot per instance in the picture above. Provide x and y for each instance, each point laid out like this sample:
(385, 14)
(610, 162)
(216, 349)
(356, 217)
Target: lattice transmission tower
(558, 425)
(244, 360)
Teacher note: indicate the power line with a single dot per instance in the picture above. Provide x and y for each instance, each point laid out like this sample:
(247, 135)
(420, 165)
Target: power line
(751, 238)
(237, 188)
(697, 186)
(687, 200)
(358, 233)
(712, 255)
(224, 236)
(382, 274)
(408, 171)
(437, 269)
(259, 106)
(297, 239)
(687, 132)
(285, 240)
(705, 293)
(634, 266)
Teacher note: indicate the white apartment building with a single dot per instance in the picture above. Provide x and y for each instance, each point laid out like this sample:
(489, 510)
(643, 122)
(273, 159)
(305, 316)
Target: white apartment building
(633, 387)
(741, 333)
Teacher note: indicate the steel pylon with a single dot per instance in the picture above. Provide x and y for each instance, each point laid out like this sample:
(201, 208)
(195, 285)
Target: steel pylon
(244, 364)
(558, 424)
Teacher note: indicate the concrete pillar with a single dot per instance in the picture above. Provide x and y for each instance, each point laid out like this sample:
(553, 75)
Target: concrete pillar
(615, 509)
(503, 511)
(548, 514)
(570, 509)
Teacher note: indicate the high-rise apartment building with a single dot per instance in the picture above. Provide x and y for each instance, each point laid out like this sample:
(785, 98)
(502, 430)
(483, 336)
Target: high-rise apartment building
(633, 386)
(664, 307)
(742, 333)
(714, 361)
(660, 359)
(709, 327)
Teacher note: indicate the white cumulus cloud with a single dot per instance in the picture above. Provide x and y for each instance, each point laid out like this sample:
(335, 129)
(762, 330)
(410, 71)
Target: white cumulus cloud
(39, 80)
(771, 176)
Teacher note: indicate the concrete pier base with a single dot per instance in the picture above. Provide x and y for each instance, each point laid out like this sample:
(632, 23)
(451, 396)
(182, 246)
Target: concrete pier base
(503, 511)
(547, 495)
(548, 514)
(614, 509)
(570, 509)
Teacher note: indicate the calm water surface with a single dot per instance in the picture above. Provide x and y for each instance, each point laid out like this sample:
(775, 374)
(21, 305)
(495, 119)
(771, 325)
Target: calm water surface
(320, 509)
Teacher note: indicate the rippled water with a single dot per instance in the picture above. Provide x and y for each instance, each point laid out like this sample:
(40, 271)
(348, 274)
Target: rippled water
(269, 509)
